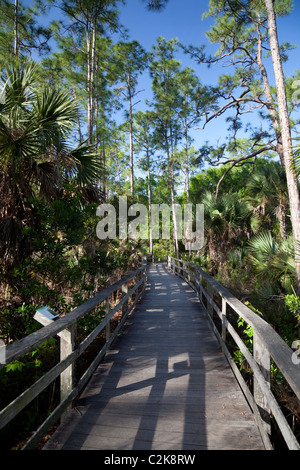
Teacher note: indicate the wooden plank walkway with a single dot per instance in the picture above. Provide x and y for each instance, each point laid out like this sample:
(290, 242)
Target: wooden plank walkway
(164, 385)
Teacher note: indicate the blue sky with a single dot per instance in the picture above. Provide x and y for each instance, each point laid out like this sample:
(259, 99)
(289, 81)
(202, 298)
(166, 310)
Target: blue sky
(183, 19)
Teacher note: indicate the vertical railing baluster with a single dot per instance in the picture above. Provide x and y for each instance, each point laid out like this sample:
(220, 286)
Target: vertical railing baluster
(67, 346)
(210, 292)
(108, 323)
(124, 292)
(200, 286)
(262, 358)
(223, 315)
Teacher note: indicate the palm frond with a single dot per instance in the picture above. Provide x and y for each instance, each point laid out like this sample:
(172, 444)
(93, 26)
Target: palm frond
(18, 143)
(297, 159)
(16, 89)
(55, 110)
(272, 261)
(84, 165)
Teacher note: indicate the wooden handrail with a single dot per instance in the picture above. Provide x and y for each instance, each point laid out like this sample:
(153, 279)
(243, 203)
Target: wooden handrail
(267, 344)
(157, 259)
(70, 352)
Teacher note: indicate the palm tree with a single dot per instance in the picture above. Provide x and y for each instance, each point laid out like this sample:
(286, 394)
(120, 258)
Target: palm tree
(266, 188)
(35, 158)
(227, 219)
(273, 262)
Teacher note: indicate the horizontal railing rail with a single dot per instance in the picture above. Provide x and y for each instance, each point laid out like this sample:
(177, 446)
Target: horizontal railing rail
(66, 327)
(267, 345)
(157, 259)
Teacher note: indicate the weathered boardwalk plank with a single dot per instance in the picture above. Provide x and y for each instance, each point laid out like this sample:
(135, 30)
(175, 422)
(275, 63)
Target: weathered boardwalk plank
(165, 385)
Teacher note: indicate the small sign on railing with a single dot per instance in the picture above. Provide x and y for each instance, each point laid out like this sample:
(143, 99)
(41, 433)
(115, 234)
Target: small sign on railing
(45, 315)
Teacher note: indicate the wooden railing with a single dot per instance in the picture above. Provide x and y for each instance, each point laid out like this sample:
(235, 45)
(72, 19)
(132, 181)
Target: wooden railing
(130, 289)
(267, 346)
(157, 259)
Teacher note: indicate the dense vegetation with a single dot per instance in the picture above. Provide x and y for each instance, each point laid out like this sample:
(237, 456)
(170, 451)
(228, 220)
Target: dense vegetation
(62, 154)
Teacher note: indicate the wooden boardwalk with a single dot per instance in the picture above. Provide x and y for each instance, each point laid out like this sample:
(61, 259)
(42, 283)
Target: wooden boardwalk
(164, 384)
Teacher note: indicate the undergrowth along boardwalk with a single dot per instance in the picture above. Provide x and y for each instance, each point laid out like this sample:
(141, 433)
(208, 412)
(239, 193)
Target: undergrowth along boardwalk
(165, 384)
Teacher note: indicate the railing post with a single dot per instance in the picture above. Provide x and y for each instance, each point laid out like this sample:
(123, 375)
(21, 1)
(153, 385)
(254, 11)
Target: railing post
(139, 278)
(210, 292)
(67, 346)
(144, 273)
(188, 272)
(262, 358)
(108, 323)
(199, 286)
(46, 316)
(223, 313)
(124, 292)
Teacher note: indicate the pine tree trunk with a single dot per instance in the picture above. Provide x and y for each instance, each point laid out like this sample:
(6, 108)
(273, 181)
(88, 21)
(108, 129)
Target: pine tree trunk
(294, 197)
(187, 170)
(187, 176)
(118, 167)
(130, 141)
(104, 182)
(88, 63)
(171, 176)
(149, 202)
(78, 116)
(131, 155)
(16, 40)
(92, 81)
(270, 101)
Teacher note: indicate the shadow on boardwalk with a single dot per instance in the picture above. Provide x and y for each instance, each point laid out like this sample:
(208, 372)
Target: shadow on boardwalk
(164, 385)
